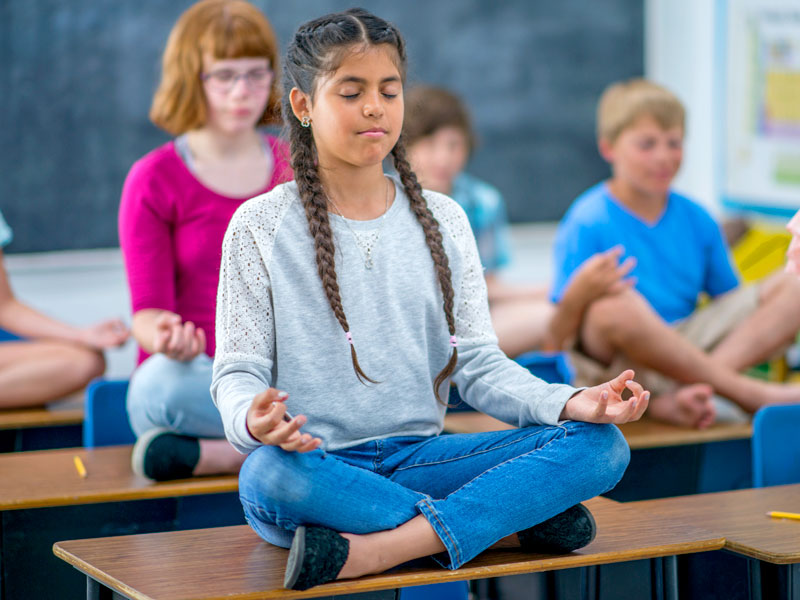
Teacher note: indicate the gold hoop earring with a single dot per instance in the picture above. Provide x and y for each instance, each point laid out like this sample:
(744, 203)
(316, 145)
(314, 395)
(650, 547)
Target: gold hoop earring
(305, 121)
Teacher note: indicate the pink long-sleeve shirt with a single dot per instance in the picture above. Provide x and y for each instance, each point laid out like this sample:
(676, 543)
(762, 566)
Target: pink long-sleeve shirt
(171, 228)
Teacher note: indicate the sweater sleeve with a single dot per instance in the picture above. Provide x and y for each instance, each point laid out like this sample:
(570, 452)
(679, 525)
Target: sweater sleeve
(486, 378)
(146, 220)
(245, 329)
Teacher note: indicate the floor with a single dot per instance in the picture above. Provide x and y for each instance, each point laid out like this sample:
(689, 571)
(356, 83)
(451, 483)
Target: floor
(88, 285)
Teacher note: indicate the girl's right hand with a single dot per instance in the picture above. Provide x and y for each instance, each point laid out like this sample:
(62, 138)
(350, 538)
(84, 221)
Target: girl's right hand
(265, 422)
(178, 340)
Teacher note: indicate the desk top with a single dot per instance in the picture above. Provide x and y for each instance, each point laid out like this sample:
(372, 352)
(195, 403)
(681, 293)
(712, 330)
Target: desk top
(234, 563)
(49, 478)
(639, 434)
(740, 517)
(19, 418)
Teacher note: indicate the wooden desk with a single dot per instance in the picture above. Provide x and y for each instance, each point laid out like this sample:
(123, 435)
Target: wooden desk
(739, 516)
(234, 563)
(639, 434)
(55, 425)
(43, 499)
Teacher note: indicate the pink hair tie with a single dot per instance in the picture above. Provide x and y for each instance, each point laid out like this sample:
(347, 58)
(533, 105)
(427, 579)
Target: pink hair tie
(349, 337)
(453, 341)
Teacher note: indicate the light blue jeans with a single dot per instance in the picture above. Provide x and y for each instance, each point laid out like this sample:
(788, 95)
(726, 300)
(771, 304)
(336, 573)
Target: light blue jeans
(474, 489)
(169, 393)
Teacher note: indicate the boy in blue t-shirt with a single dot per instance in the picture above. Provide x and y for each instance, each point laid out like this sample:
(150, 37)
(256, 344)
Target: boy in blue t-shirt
(687, 353)
(439, 138)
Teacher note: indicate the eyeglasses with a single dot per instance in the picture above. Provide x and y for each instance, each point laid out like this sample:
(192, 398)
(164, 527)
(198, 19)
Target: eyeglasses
(224, 80)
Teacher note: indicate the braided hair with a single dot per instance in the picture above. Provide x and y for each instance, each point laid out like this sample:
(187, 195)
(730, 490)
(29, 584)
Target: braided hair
(317, 49)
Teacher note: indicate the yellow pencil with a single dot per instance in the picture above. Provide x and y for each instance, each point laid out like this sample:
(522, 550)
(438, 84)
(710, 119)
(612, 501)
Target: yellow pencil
(783, 515)
(79, 466)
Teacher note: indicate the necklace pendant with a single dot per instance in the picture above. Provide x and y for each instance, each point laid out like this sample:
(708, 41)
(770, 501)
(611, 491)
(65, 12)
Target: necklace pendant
(368, 262)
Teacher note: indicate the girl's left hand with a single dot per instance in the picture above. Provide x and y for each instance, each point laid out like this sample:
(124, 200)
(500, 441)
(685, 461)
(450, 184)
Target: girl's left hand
(106, 334)
(604, 404)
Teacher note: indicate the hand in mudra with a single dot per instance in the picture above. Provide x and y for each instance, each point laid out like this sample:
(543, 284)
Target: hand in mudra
(604, 404)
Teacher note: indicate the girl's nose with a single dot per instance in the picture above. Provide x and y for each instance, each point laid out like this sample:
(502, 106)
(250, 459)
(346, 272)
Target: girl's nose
(373, 108)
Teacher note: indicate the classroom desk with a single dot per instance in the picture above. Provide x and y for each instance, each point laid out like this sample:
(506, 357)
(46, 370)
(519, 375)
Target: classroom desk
(740, 517)
(43, 499)
(234, 563)
(54, 426)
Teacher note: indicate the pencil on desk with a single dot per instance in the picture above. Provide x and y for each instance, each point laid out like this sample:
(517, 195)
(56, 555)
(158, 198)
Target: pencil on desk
(783, 515)
(79, 466)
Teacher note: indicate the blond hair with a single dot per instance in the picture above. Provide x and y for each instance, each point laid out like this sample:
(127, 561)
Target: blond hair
(221, 29)
(625, 102)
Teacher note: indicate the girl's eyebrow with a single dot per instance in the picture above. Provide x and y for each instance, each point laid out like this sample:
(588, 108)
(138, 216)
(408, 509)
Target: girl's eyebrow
(361, 80)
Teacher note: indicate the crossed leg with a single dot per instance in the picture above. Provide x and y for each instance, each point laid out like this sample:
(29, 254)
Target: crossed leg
(37, 372)
(626, 324)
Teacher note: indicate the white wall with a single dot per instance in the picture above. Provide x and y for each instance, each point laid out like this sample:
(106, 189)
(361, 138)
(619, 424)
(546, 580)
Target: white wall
(679, 54)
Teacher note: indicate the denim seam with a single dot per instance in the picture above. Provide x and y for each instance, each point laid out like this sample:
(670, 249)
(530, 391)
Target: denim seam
(497, 466)
(435, 515)
(511, 443)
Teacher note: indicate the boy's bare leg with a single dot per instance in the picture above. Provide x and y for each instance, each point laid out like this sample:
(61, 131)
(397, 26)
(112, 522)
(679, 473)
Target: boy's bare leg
(521, 325)
(625, 323)
(772, 326)
(216, 457)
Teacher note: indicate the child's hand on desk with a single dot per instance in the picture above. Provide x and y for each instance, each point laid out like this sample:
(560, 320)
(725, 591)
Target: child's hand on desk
(266, 422)
(604, 404)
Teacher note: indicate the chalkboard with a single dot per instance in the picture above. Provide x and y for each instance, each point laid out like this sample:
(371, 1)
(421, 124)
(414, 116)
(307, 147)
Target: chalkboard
(77, 77)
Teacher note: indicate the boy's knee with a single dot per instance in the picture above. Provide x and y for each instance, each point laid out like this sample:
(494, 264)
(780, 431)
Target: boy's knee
(616, 312)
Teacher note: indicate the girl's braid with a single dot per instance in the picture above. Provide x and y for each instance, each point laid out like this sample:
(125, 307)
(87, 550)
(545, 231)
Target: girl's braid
(433, 237)
(316, 207)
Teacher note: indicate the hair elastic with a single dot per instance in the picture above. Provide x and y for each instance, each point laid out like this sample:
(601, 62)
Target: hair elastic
(453, 341)
(349, 337)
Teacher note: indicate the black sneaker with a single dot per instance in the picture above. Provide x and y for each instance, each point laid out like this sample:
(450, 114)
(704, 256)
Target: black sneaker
(161, 454)
(567, 531)
(317, 556)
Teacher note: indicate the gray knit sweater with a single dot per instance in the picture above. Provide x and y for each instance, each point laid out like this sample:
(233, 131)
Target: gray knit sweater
(275, 327)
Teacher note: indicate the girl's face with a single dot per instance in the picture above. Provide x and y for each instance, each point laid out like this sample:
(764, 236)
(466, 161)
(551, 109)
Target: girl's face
(237, 90)
(437, 158)
(357, 111)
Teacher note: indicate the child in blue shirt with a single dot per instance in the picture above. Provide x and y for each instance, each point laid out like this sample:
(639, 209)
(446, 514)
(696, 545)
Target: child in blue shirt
(440, 139)
(680, 255)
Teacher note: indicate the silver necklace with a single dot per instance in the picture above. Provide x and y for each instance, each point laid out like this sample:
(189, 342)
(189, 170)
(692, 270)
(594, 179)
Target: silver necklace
(366, 255)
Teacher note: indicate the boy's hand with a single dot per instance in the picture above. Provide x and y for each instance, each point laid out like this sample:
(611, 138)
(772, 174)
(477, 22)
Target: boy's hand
(599, 275)
(265, 422)
(604, 404)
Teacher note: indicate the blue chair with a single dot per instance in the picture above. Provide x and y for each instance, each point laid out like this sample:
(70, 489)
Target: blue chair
(105, 421)
(776, 445)
(552, 367)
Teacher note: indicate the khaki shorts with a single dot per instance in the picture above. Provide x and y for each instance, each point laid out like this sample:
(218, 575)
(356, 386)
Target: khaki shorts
(704, 328)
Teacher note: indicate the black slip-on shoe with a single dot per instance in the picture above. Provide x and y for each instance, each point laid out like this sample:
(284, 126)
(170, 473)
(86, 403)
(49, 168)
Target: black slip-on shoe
(567, 531)
(161, 454)
(317, 556)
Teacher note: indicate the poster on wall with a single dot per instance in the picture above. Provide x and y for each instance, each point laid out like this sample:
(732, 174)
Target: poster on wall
(761, 94)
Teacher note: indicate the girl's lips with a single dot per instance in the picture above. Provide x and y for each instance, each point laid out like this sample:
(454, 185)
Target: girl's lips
(373, 133)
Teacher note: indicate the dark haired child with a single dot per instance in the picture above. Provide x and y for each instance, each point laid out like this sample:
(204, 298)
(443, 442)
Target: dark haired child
(217, 88)
(438, 133)
(351, 299)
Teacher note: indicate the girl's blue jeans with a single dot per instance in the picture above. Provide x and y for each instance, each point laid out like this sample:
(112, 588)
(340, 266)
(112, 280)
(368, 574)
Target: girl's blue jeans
(474, 489)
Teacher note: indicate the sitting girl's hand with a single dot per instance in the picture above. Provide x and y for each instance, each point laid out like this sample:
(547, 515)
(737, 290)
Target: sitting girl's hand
(604, 404)
(178, 340)
(106, 334)
(266, 423)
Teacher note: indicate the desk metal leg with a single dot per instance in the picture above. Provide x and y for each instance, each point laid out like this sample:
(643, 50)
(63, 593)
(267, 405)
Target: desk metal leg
(97, 591)
(590, 583)
(754, 578)
(792, 581)
(664, 578)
